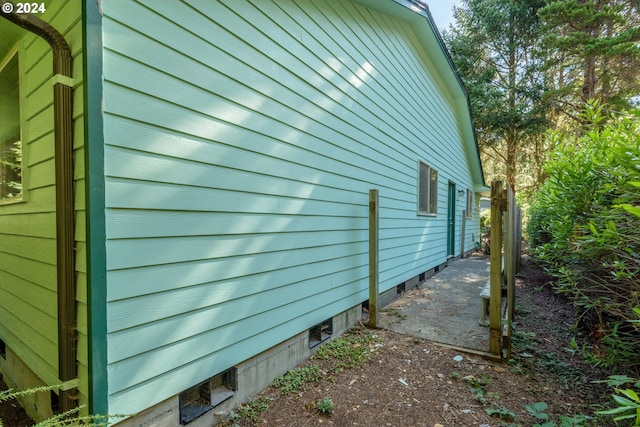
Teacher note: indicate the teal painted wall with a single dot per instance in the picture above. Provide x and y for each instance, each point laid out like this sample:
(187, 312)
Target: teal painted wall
(241, 140)
(28, 300)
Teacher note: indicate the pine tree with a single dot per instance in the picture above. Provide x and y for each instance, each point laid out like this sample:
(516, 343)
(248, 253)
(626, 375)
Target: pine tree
(592, 50)
(493, 44)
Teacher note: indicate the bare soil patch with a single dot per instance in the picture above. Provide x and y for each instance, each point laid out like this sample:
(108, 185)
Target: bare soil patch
(11, 413)
(412, 382)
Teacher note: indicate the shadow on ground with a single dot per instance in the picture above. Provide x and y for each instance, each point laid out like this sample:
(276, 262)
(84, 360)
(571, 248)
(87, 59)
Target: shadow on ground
(445, 308)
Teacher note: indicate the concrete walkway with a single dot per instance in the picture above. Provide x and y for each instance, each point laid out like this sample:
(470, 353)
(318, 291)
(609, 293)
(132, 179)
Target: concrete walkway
(444, 308)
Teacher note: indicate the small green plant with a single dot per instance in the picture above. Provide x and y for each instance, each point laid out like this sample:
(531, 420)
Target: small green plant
(578, 420)
(350, 351)
(627, 400)
(538, 410)
(479, 389)
(325, 406)
(502, 413)
(295, 380)
(251, 411)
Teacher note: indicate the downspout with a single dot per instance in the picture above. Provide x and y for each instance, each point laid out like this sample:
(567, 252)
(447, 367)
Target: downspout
(63, 134)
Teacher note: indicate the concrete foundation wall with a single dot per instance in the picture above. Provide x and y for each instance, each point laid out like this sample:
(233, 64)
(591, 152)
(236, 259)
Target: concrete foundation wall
(253, 376)
(17, 375)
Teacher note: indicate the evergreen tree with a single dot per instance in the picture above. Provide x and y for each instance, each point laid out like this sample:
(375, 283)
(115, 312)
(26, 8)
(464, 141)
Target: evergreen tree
(592, 50)
(493, 44)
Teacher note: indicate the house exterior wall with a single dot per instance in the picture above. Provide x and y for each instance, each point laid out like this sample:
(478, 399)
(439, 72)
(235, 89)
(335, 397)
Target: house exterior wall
(241, 140)
(28, 302)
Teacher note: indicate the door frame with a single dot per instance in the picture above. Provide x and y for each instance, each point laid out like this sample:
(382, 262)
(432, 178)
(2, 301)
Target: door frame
(451, 220)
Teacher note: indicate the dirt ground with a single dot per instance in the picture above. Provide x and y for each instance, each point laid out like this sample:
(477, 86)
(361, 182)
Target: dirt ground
(11, 413)
(413, 382)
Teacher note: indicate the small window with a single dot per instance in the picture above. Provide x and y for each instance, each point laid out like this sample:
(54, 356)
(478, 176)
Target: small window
(203, 397)
(10, 136)
(320, 333)
(469, 203)
(427, 190)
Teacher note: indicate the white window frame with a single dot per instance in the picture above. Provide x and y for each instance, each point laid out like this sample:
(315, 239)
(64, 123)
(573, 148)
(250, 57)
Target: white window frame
(427, 189)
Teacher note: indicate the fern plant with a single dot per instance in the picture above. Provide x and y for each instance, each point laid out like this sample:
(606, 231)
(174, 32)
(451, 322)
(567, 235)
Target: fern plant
(68, 418)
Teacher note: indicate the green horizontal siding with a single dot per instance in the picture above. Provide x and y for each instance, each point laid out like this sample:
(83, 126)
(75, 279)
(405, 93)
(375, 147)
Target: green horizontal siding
(242, 139)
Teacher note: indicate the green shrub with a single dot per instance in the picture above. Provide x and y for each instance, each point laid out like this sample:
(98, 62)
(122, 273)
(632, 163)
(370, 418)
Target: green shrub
(627, 400)
(325, 406)
(584, 229)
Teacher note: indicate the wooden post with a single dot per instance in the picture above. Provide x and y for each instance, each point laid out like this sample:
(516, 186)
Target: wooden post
(519, 240)
(373, 257)
(495, 274)
(463, 231)
(511, 249)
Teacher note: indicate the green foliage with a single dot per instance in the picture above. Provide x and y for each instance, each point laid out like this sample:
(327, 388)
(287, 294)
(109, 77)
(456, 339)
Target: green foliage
(538, 410)
(68, 418)
(11, 170)
(493, 45)
(296, 379)
(350, 351)
(627, 400)
(479, 389)
(594, 45)
(502, 413)
(325, 406)
(582, 231)
(251, 411)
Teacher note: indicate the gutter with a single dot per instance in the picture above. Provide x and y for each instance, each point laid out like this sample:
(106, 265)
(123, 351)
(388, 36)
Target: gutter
(65, 232)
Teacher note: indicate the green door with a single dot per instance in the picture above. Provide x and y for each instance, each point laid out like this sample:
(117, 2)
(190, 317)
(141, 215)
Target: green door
(451, 220)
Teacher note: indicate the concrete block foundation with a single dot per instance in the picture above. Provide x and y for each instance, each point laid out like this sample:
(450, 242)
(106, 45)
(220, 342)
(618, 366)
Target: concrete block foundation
(253, 376)
(17, 375)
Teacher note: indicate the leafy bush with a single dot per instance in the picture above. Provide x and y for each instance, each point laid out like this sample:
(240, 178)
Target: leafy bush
(584, 227)
(627, 400)
(325, 406)
(295, 380)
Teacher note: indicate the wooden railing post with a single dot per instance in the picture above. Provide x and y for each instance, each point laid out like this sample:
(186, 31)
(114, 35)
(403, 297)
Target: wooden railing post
(495, 274)
(463, 232)
(511, 250)
(373, 257)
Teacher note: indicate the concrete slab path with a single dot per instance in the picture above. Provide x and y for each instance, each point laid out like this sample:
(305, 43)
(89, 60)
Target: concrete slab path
(445, 308)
